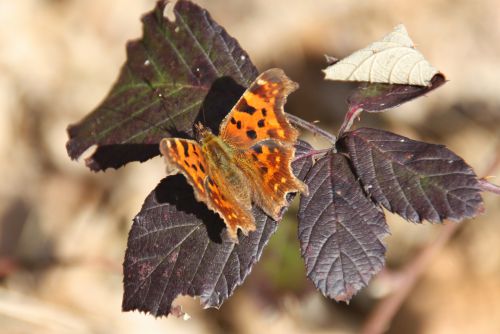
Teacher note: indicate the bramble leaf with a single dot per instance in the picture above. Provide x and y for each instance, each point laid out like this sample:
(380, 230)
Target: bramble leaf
(177, 246)
(340, 230)
(417, 180)
(188, 70)
(376, 97)
(391, 72)
(178, 73)
(391, 60)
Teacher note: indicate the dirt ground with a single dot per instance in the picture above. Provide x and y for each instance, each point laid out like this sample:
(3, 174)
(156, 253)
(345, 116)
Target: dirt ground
(64, 229)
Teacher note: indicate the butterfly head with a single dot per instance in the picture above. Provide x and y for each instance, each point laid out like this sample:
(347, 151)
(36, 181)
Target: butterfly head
(203, 134)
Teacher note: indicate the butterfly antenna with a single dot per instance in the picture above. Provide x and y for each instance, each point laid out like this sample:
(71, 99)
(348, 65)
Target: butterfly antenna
(171, 130)
(203, 114)
(173, 127)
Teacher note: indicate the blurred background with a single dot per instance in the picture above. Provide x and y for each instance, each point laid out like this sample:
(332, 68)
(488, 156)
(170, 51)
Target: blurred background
(63, 229)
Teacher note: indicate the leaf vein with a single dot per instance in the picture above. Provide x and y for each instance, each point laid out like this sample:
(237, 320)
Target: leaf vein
(162, 258)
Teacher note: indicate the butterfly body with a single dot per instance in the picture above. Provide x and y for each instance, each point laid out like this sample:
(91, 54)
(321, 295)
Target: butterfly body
(226, 167)
(249, 162)
(221, 157)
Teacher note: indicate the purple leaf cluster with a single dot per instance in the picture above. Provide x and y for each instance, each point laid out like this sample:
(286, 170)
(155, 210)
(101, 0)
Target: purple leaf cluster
(189, 70)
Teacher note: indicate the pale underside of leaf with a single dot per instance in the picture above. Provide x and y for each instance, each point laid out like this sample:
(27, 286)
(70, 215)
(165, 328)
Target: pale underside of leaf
(392, 60)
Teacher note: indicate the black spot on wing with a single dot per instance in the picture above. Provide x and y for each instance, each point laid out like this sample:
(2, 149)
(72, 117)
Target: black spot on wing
(233, 121)
(264, 169)
(261, 123)
(173, 147)
(258, 149)
(201, 168)
(185, 147)
(251, 134)
(238, 125)
(264, 112)
(243, 106)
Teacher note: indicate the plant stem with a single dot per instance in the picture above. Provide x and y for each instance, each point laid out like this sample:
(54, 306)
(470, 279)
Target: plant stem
(311, 153)
(488, 186)
(349, 118)
(312, 128)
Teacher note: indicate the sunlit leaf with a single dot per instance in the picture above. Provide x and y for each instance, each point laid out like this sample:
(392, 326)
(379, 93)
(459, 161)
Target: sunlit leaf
(177, 246)
(340, 230)
(417, 180)
(392, 60)
(177, 73)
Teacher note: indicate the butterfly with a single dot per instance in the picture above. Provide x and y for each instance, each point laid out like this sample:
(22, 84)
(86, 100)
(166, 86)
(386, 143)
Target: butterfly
(248, 162)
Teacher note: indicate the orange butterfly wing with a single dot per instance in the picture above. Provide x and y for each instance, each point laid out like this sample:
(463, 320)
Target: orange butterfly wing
(186, 156)
(235, 214)
(271, 175)
(258, 128)
(259, 113)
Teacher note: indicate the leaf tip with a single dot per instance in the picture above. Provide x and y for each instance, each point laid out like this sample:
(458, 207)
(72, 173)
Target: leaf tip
(346, 296)
(330, 61)
(177, 312)
(437, 80)
(72, 145)
(168, 9)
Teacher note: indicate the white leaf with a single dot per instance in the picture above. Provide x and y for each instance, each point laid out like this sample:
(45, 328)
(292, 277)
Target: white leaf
(392, 60)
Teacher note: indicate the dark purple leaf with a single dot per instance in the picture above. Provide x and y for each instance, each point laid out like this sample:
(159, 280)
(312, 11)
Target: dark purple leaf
(377, 97)
(178, 73)
(413, 179)
(178, 247)
(302, 162)
(340, 230)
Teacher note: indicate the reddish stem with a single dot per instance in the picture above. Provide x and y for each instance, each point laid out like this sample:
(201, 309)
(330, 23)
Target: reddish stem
(490, 187)
(349, 118)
